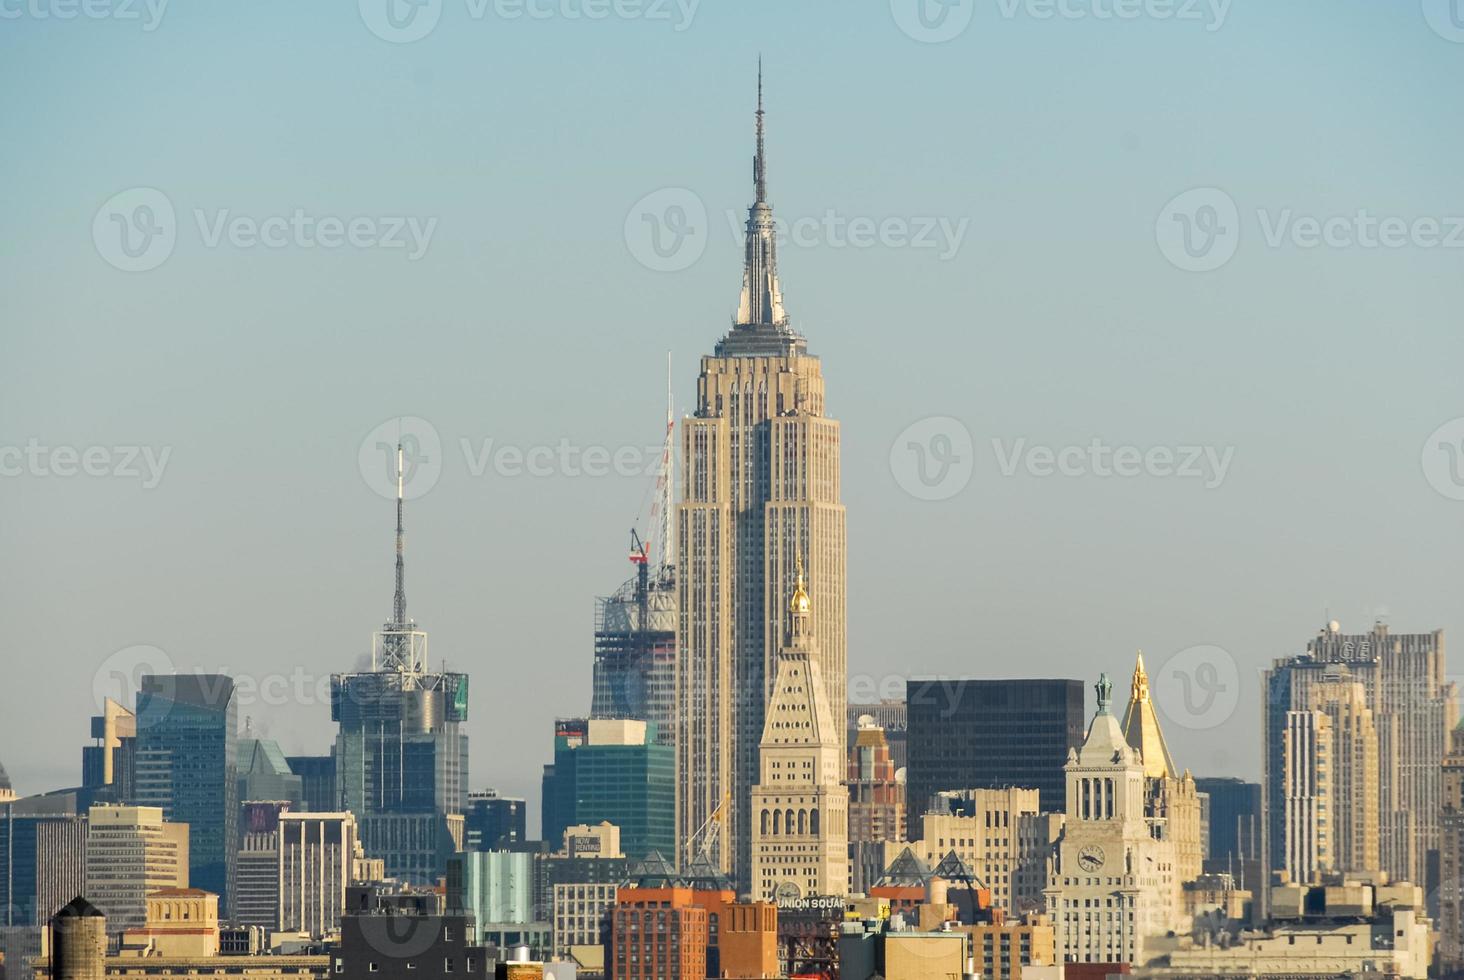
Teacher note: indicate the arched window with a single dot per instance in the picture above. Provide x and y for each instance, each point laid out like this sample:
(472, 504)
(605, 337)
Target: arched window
(765, 822)
(813, 821)
(777, 822)
(803, 821)
(788, 820)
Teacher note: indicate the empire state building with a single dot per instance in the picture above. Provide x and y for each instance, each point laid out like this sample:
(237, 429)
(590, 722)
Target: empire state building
(760, 489)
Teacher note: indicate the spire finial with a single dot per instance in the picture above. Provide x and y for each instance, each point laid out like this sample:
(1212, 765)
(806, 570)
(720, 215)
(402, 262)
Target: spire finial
(799, 604)
(1141, 679)
(759, 164)
(1104, 687)
(399, 602)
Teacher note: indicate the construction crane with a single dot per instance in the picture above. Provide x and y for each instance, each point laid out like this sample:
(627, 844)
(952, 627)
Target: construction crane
(709, 832)
(661, 515)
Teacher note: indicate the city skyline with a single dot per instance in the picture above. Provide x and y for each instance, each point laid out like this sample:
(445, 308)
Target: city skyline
(263, 504)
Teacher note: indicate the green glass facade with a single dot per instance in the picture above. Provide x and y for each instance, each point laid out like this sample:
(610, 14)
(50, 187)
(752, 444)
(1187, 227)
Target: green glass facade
(632, 786)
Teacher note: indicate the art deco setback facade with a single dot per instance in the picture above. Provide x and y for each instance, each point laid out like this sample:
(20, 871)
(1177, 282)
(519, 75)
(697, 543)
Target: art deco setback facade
(760, 487)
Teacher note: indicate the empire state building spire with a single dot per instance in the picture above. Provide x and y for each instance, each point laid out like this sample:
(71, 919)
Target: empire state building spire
(761, 304)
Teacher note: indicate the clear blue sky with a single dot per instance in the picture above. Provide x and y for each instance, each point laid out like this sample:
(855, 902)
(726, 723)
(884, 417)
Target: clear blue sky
(529, 320)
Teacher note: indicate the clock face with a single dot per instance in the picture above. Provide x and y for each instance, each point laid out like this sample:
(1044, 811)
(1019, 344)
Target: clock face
(1091, 858)
(787, 893)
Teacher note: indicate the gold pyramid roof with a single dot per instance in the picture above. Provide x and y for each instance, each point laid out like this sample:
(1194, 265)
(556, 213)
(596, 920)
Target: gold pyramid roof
(1141, 727)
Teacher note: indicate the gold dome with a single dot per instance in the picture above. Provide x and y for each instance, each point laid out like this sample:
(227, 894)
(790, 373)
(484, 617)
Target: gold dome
(799, 604)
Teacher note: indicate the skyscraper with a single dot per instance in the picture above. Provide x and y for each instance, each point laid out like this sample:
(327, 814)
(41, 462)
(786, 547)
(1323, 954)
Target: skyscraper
(1235, 822)
(493, 821)
(635, 650)
(186, 763)
(800, 807)
(986, 734)
(1413, 710)
(611, 770)
(131, 851)
(635, 629)
(1451, 860)
(401, 757)
(316, 854)
(760, 485)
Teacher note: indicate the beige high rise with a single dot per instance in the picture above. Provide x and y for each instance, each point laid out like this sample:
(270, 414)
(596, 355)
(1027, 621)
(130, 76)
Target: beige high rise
(1354, 766)
(132, 852)
(760, 486)
(800, 807)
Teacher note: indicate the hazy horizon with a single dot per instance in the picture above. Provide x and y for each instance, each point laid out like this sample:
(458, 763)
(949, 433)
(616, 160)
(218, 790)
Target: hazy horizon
(989, 247)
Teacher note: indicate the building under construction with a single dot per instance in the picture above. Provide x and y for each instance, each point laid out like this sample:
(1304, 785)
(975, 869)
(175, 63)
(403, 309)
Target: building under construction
(635, 651)
(635, 628)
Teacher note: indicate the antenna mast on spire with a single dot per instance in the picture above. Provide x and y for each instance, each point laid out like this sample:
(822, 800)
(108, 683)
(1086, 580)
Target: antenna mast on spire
(759, 163)
(400, 646)
(399, 600)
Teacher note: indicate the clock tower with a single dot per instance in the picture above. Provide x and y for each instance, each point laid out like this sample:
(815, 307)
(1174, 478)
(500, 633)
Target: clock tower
(1112, 885)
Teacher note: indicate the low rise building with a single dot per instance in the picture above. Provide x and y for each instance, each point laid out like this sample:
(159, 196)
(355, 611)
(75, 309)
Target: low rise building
(1343, 927)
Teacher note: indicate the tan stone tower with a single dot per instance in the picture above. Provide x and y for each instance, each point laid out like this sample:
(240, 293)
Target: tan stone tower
(760, 485)
(800, 807)
(1171, 799)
